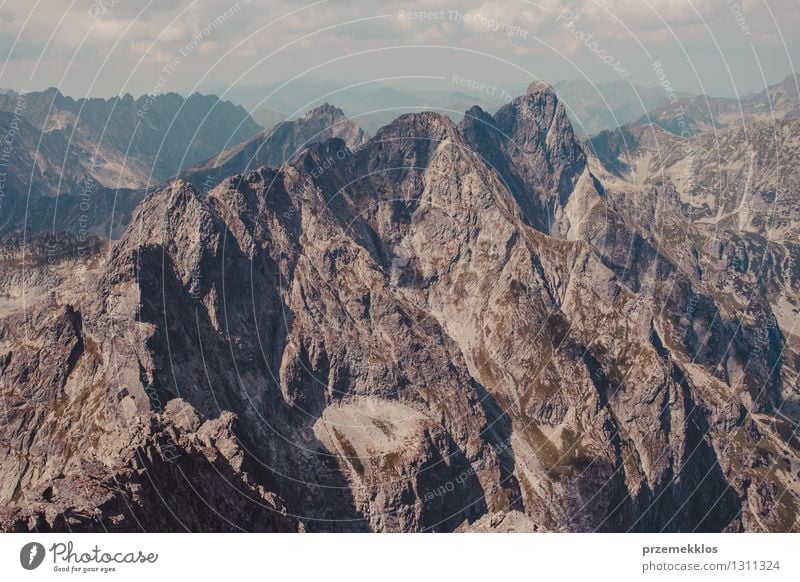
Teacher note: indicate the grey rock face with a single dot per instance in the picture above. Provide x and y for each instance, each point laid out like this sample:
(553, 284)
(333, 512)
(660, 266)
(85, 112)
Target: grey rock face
(721, 206)
(530, 143)
(449, 328)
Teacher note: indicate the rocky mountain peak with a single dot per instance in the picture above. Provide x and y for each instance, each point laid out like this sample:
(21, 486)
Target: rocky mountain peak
(422, 125)
(326, 110)
(401, 155)
(539, 120)
(539, 87)
(530, 143)
(171, 216)
(477, 113)
(325, 122)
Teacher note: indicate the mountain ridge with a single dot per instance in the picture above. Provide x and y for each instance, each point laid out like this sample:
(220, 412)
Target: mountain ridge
(446, 326)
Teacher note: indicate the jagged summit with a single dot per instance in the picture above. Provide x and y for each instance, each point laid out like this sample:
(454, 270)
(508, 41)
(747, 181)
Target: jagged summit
(539, 87)
(530, 143)
(476, 112)
(326, 109)
(421, 124)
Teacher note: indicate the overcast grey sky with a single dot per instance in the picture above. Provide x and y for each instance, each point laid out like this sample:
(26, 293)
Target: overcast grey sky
(107, 47)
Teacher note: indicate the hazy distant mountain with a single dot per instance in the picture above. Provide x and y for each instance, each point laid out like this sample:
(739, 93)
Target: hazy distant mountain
(155, 135)
(267, 117)
(371, 106)
(452, 327)
(593, 107)
(692, 115)
(95, 152)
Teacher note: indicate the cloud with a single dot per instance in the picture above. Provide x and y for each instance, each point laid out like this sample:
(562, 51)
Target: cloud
(78, 37)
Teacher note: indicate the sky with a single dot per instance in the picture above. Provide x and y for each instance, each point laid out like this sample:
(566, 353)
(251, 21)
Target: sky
(102, 48)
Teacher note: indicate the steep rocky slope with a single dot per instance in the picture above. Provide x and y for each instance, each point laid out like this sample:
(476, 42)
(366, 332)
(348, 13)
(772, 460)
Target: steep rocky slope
(77, 453)
(723, 206)
(451, 327)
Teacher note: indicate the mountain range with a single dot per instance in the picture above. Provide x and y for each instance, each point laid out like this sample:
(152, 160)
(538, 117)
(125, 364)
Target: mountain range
(77, 161)
(691, 115)
(276, 146)
(89, 175)
(482, 326)
(592, 107)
